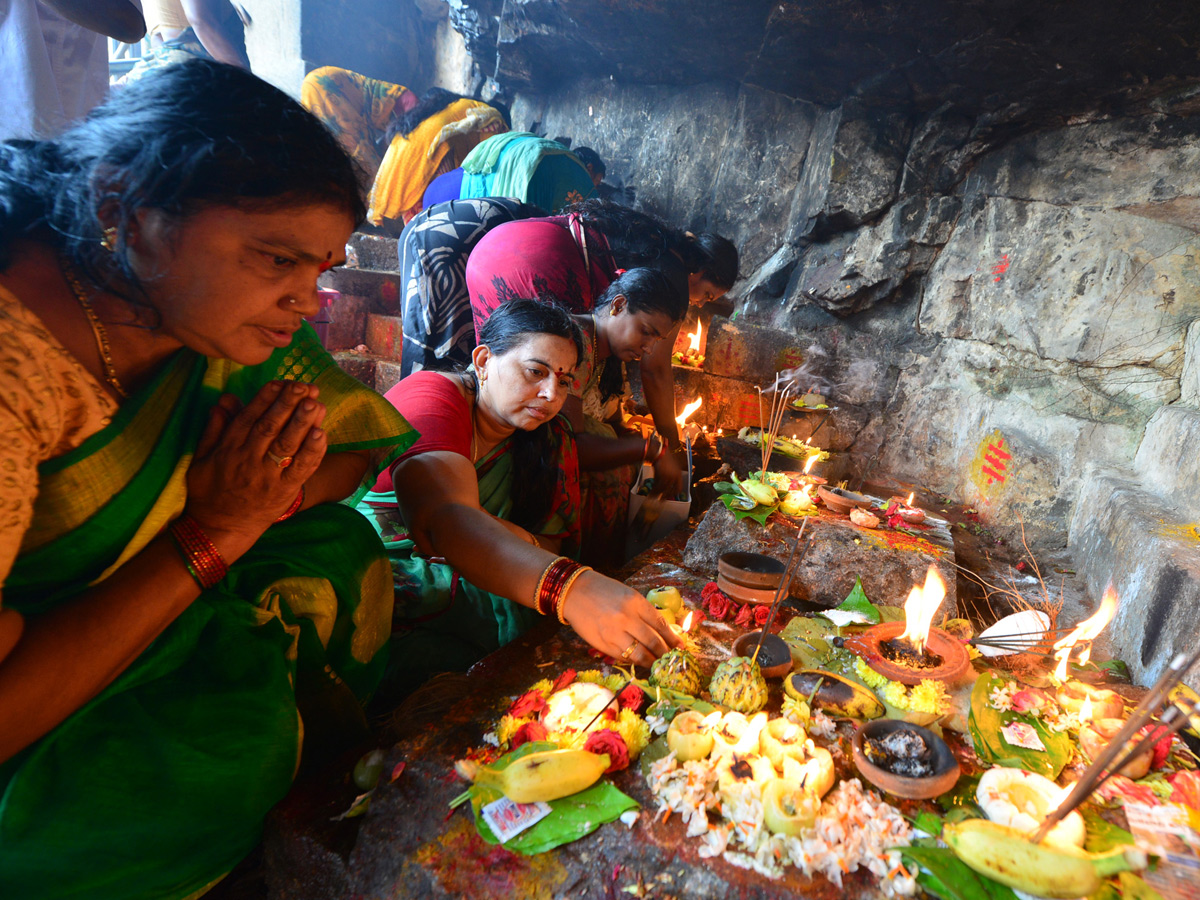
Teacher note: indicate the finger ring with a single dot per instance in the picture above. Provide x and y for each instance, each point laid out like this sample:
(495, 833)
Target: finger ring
(282, 461)
(629, 650)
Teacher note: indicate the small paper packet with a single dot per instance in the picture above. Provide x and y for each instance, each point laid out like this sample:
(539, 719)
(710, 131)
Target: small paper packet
(1020, 734)
(508, 819)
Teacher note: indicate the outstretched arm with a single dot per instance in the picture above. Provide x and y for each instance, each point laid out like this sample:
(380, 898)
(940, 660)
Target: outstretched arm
(438, 496)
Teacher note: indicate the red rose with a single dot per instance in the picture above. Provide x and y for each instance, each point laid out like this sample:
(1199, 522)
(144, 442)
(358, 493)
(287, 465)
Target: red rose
(744, 616)
(708, 592)
(529, 703)
(718, 607)
(761, 614)
(608, 741)
(530, 731)
(631, 698)
(563, 680)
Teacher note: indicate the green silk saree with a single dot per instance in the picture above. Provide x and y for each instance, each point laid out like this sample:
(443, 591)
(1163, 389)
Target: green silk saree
(159, 785)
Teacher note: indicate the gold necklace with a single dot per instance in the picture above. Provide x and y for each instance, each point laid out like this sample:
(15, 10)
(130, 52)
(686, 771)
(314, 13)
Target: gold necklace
(98, 330)
(595, 352)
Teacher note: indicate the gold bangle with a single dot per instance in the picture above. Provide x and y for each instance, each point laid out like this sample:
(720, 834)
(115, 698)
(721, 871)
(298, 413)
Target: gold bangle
(562, 596)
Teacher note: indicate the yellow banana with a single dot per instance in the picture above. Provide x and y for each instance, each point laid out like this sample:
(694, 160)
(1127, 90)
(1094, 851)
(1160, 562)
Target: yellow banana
(546, 775)
(1044, 870)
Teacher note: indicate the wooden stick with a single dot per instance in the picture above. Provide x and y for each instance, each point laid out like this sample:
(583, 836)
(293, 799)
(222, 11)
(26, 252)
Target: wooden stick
(785, 584)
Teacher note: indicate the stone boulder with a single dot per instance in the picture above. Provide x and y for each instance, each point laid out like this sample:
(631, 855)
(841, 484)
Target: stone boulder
(889, 563)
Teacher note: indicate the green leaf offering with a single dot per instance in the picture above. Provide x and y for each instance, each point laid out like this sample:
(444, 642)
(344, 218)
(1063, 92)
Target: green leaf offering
(758, 514)
(571, 818)
(855, 609)
(985, 724)
(806, 638)
(1102, 835)
(944, 874)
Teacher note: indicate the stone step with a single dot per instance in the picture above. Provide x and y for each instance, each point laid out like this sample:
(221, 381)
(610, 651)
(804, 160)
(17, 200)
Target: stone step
(385, 336)
(1168, 460)
(372, 251)
(381, 290)
(378, 374)
(1122, 532)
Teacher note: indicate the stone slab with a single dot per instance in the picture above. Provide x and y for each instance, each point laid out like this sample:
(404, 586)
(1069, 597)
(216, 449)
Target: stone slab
(347, 322)
(1168, 460)
(889, 563)
(387, 375)
(385, 336)
(357, 365)
(1121, 533)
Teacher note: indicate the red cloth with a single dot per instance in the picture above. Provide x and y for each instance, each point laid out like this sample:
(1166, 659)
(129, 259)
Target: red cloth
(530, 258)
(433, 405)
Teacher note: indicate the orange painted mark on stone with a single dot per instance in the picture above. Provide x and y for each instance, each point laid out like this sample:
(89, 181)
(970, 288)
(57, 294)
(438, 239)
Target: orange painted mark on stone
(1000, 268)
(992, 464)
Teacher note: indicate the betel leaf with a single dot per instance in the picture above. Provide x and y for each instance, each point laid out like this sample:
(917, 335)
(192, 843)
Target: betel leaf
(985, 723)
(1102, 835)
(758, 514)
(680, 699)
(806, 638)
(944, 874)
(856, 608)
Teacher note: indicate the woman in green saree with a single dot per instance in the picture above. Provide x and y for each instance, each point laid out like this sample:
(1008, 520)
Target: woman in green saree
(178, 577)
(480, 516)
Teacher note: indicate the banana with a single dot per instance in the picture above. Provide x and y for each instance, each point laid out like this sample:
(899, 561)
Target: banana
(1044, 870)
(545, 775)
(836, 695)
(762, 494)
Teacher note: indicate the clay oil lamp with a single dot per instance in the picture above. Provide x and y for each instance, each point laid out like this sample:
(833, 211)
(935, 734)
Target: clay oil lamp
(905, 760)
(749, 577)
(1096, 732)
(909, 513)
(1089, 702)
(840, 500)
(912, 651)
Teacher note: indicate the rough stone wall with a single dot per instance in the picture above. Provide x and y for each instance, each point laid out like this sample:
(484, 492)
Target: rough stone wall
(1022, 308)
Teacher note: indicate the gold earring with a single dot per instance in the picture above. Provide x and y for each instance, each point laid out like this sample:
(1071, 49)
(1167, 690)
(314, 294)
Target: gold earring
(109, 241)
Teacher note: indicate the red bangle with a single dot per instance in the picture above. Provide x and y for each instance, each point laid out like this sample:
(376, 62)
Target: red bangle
(295, 507)
(201, 556)
(551, 587)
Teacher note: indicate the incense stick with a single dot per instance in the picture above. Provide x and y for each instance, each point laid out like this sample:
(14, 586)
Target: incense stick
(1140, 716)
(785, 584)
(769, 429)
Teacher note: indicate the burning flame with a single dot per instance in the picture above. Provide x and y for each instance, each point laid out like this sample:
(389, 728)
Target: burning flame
(1085, 632)
(908, 502)
(920, 607)
(687, 411)
(812, 460)
(687, 621)
(694, 340)
(1085, 711)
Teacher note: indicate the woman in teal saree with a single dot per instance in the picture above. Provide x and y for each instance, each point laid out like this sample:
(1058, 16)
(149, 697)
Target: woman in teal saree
(177, 574)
